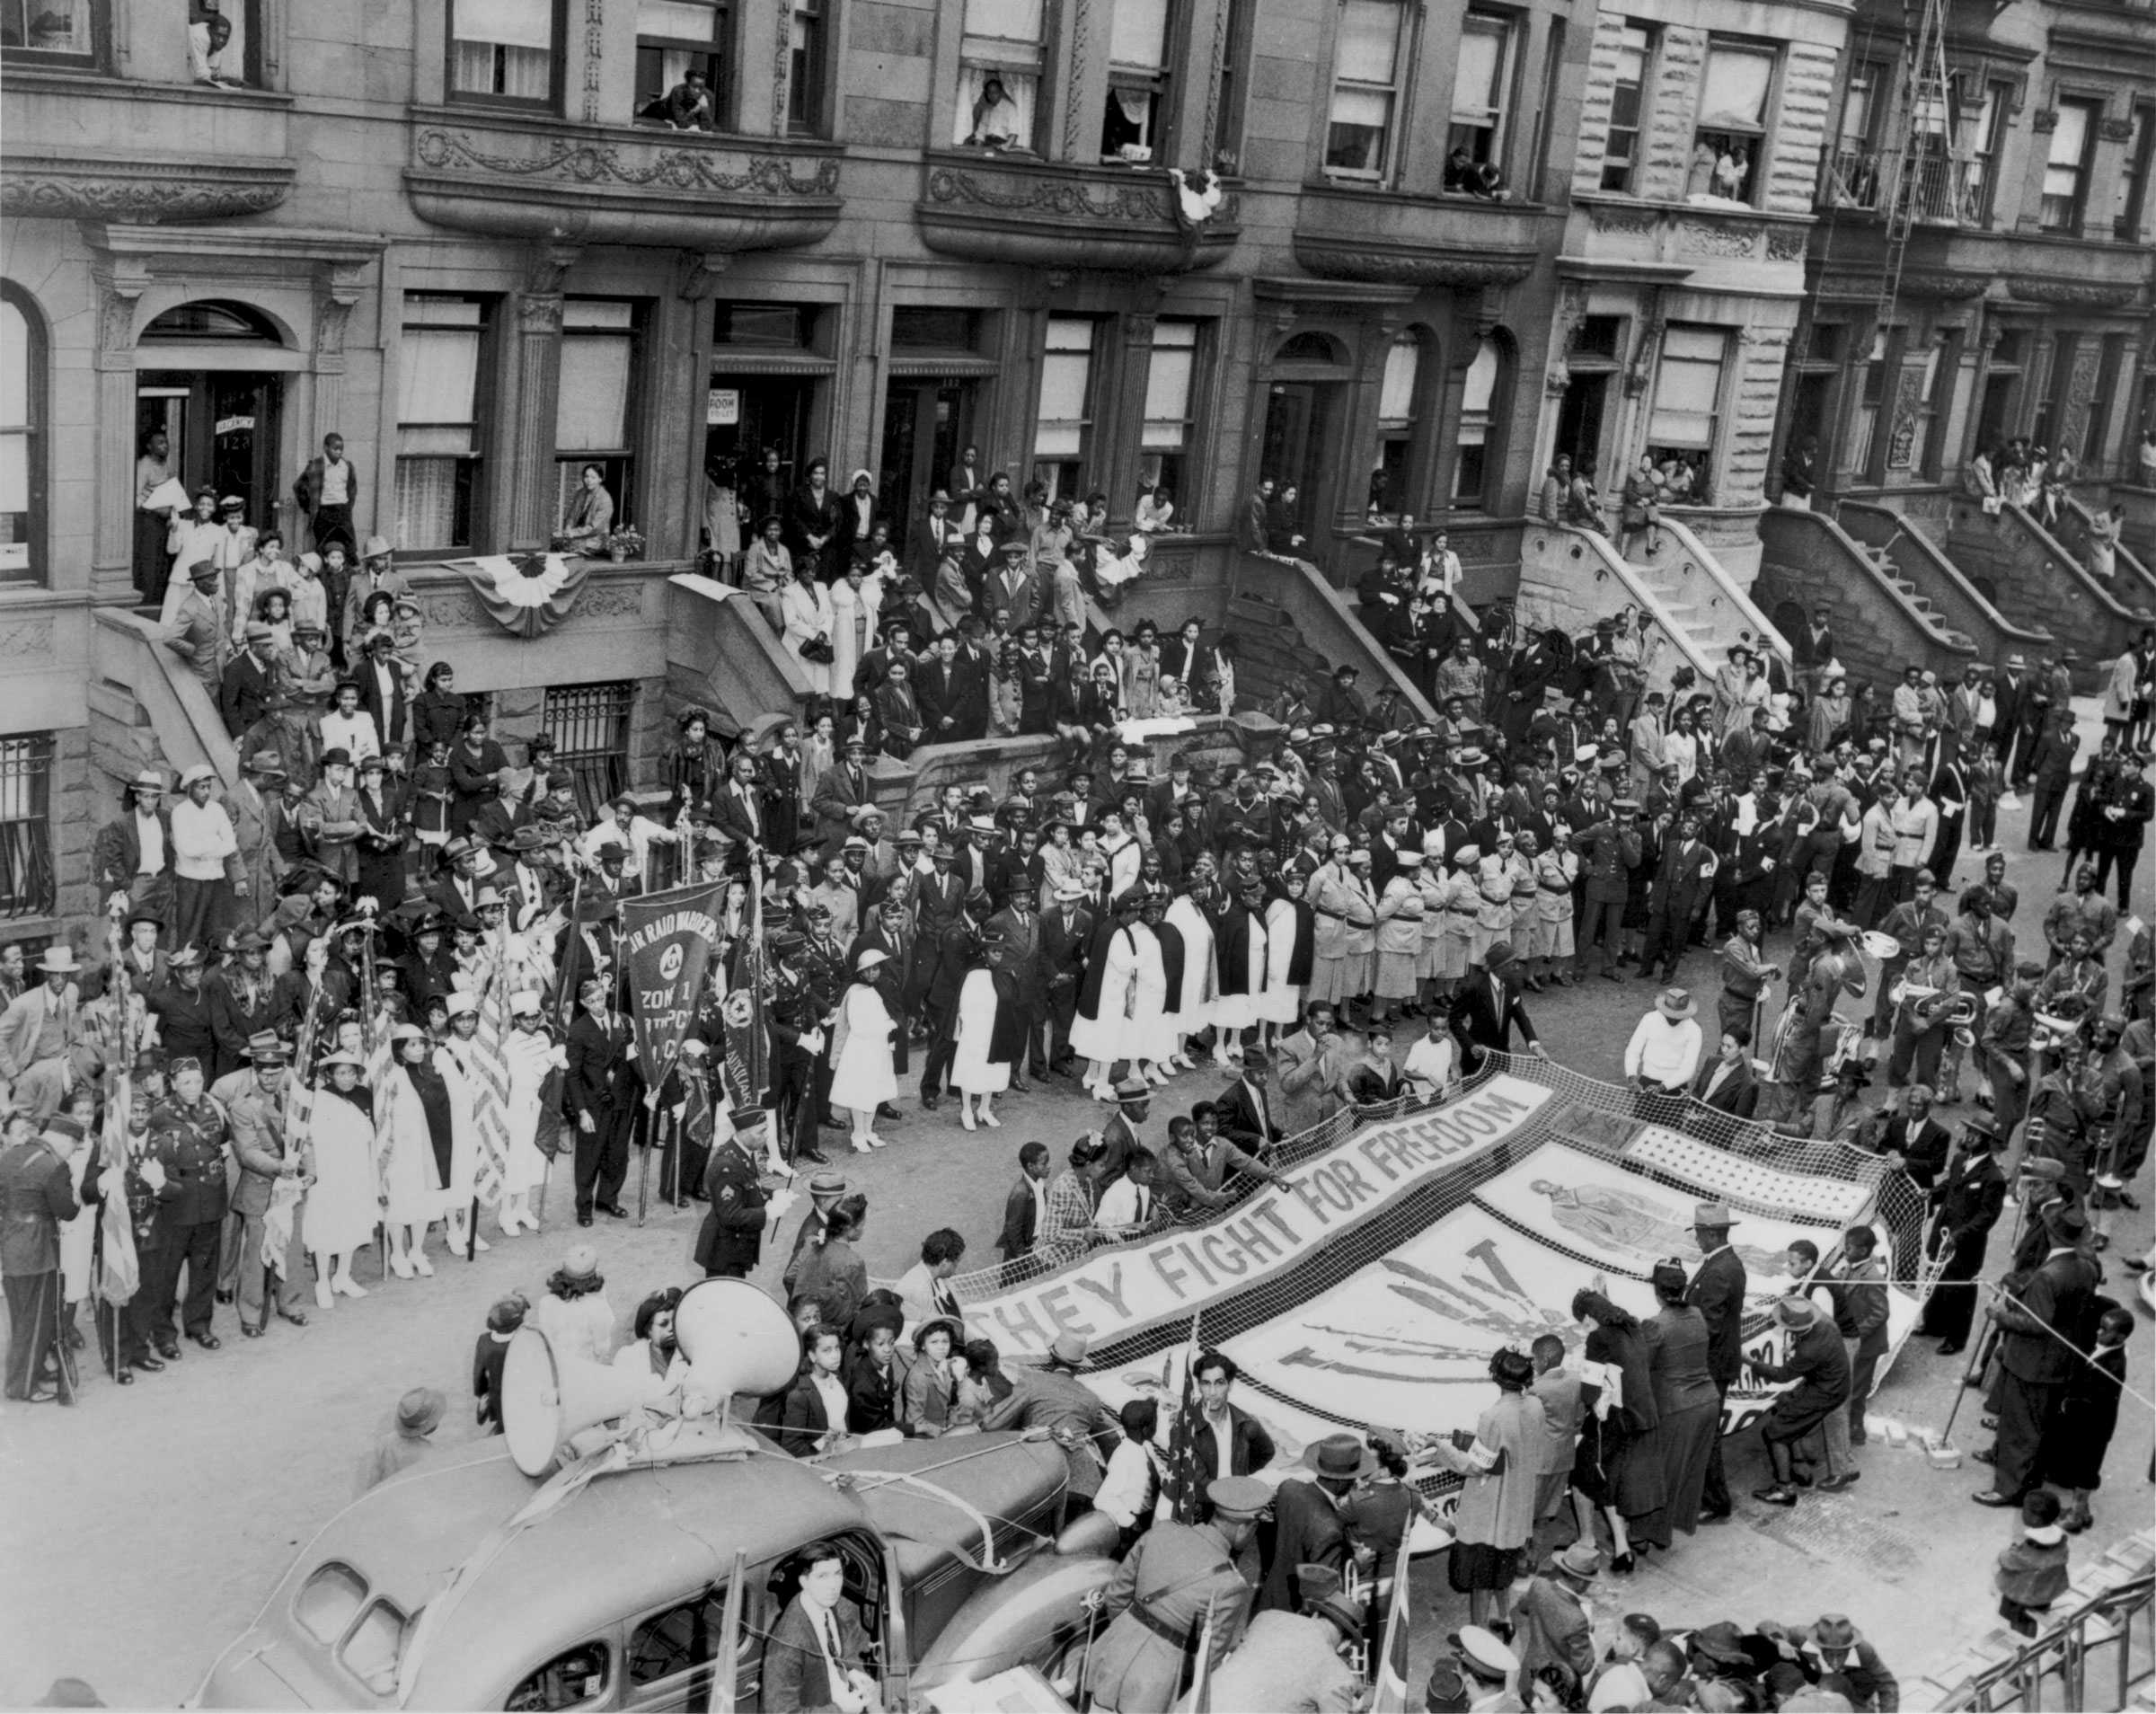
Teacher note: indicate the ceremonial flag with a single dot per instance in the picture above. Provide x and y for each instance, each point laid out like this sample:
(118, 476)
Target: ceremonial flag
(1389, 1671)
(1185, 1481)
(491, 1066)
(120, 1276)
(666, 948)
(747, 1072)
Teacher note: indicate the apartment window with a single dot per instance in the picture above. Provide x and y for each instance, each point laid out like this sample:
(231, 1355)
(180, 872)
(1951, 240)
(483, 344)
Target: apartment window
(1171, 431)
(1978, 125)
(2051, 409)
(1482, 90)
(674, 38)
(56, 30)
(1726, 143)
(591, 729)
(807, 69)
(2097, 437)
(1398, 395)
(2067, 167)
(1235, 50)
(1063, 430)
(1366, 88)
(2128, 207)
(1137, 81)
(441, 354)
(1620, 147)
(27, 883)
(592, 412)
(1853, 179)
(1688, 391)
(1473, 467)
(21, 443)
(999, 75)
(502, 50)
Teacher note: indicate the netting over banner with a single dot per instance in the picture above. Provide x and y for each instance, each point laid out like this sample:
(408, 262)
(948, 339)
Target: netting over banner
(1407, 1242)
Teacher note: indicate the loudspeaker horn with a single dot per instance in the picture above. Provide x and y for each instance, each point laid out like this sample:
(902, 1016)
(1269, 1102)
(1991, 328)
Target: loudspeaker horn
(736, 1339)
(546, 1398)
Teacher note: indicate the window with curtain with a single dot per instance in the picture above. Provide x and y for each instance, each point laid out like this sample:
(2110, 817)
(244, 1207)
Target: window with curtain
(502, 50)
(592, 421)
(2051, 409)
(1170, 434)
(1482, 88)
(2067, 167)
(807, 69)
(1688, 390)
(1977, 125)
(1137, 81)
(1397, 395)
(1062, 432)
(53, 29)
(441, 352)
(1478, 414)
(1621, 145)
(1731, 132)
(672, 39)
(1366, 88)
(27, 879)
(22, 447)
(999, 59)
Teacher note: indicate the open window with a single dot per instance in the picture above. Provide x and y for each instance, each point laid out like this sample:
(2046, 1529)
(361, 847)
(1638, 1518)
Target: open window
(1000, 60)
(1062, 432)
(1730, 135)
(594, 409)
(1137, 82)
(574, 1678)
(2067, 167)
(503, 51)
(672, 1654)
(1686, 418)
(1628, 95)
(51, 32)
(1475, 143)
(1367, 89)
(682, 48)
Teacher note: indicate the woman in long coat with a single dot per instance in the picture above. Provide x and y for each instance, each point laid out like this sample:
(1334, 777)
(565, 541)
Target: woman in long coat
(1200, 986)
(413, 1141)
(805, 607)
(1686, 1401)
(1242, 949)
(986, 1040)
(812, 522)
(862, 1076)
(1501, 1462)
(1100, 1030)
(1610, 1470)
(1291, 954)
(343, 1206)
(1149, 1029)
(454, 1061)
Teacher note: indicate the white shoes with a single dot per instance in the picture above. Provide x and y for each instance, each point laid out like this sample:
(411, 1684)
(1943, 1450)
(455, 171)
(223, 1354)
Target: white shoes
(991, 1121)
(346, 1286)
(876, 1141)
(861, 1145)
(401, 1265)
(420, 1265)
(965, 1118)
(1156, 1075)
(479, 1243)
(323, 1297)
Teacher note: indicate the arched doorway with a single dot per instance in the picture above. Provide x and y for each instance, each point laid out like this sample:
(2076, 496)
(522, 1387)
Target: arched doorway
(1304, 419)
(197, 384)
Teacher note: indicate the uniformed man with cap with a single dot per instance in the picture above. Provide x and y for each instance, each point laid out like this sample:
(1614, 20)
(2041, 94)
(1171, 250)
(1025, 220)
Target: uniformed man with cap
(187, 1140)
(730, 1241)
(1158, 1598)
(268, 1161)
(1474, 1673)
(36, 1194)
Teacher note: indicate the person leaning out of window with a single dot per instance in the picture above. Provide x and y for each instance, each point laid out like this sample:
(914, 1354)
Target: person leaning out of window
(995, 121)
(590, 517)
(686, 107)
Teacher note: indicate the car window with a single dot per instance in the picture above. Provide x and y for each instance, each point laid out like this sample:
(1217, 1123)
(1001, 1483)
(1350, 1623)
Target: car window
(575, 1677)
(666, 1649)
(328, 1601)
(371, 1652)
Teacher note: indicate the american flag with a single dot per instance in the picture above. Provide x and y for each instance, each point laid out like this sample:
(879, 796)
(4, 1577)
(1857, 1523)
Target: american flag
(1389, 1671)
(1185, 1481)
(490, 1065)
(120, 1277)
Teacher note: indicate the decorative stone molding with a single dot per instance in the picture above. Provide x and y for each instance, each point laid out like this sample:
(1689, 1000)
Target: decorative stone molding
(2114, 130)
(699, 272)
(598, 185)
(2039, 288)
(595, 48)
(120, 284)
(1040, 213)
(2044, 121)
(336, 291)
(27, 640)
(1635, 221)
(1735, 241)
(42, 188)
(1787, 244)
(1460, 268)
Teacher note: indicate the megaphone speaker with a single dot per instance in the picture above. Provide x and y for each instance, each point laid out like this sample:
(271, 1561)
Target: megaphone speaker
(736, 1339)
(546, 1398)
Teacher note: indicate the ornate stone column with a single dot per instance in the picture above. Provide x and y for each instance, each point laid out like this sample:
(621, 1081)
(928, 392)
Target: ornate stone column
(120, 283)
(535, 387)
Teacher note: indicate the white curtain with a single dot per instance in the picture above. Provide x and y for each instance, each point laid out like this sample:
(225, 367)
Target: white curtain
(438, 376)
(1139, 34)
(591, 413)
(1735, 94)
(1368, 46)
(1687, 386)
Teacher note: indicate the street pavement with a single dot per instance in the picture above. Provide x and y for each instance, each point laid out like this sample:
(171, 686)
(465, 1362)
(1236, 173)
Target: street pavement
(144, 1529)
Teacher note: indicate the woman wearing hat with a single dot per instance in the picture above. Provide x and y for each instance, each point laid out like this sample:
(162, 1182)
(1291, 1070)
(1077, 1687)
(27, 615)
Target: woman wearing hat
(414, 1139)
(861, 1075)
(1501, 1460)
(1687, 1403)
(987, 1033)
(343, 1206)
(927, 1404)
(856, 599)
(1614, 1470)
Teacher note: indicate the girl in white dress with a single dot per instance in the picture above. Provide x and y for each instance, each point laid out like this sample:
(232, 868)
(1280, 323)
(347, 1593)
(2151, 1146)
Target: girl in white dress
(1278, 1002)
(411, 1182)
(454, 1060)
(1147, 1031)
(1098, 1038)
(342, 1208)
(862, 1076)
(1200, 990)
(975, 1072)
(531, 1053)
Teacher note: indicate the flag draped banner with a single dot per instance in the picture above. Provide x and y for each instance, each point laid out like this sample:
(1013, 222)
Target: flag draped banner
(1389, 1671)
(490, 1065)
(665, 949)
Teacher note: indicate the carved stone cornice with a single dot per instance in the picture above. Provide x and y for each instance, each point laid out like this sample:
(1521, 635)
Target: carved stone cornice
(598, 185)
(2043, 288)
(1460, 267)
(698, 273)
(1040, 213)
(165, 189)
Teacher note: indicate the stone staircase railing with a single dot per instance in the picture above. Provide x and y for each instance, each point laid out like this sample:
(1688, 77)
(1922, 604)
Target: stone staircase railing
(1880, 623)
(1569, 578)
(147, 710)
(1701, 591)
(1934, 583)
(2028, 574)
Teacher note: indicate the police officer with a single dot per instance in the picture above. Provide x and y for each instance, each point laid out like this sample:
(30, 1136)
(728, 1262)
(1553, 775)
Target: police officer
(793, 1015)
(1158, 1599)
(187, 1140)
(732, 1240)
(36, 1194)
(823, 964)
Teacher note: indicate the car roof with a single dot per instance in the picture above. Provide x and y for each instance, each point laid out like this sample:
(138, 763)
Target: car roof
(643, 1535)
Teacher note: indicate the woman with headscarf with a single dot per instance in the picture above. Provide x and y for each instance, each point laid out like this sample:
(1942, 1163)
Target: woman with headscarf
(1610, 1472)
(343, 1206)
(1501, 1460)
(414, 1135)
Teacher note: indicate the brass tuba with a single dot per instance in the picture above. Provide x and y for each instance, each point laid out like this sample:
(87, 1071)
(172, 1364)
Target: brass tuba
(1961, 1018)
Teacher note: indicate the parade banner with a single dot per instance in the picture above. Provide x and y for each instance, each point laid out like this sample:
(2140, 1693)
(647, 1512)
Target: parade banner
(665, 949)
(1118, 1291)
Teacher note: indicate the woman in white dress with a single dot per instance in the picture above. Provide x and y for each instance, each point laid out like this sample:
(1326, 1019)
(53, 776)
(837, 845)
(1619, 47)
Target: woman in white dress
(1126, 856)
(455, 1062)
(975, 1072)
(1279, 1001)
(1146, 1031)
(805, 606)
(531, 1053)
(1241, 948)
(1100, 1029)
(343, 1206)
(410, 1105)
(1200, 990)
(856, 599)
(862, 1077)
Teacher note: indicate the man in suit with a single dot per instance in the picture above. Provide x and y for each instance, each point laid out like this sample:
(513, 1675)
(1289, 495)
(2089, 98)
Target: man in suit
(738, 811)
(1306, 1528)
(2039, 1327)
(36, 1194)
(1248, 1115)
(1915, 1142)
(936, 689)
(934, 539)
(382, 691)
(1036, 682)
(730, 1241)
(1717, 1291)
(243, 697)
(1681, 885)
(1969, 1198)
(1015, 587)
(1487, 1009)
(819, 1644)
(2011, 695)
(889, 929)
(1551, 1619)
(42, 1024)
(602, 1088)
(1727, 1083)
(1025, 1209)
(1225, 1439)
(266, 1158)
(133, 853)
(841, 792)
(1067, 936)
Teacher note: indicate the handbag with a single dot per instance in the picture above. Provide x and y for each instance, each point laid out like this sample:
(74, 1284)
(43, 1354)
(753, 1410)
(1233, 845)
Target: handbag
(817, 648)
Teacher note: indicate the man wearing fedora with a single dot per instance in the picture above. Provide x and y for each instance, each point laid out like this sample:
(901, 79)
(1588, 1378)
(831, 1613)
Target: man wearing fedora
(1157, 1601)
(1050, 1395)
(42, 1024)
(1487, 1009)
(36, 1194)
(256, 805)
(1717, 1291)
(1551, 1618)
(409, 1439)
(268, 1161)
(1819, 1364)
(1306, 1528)
(132, 854)
(1662, 1054)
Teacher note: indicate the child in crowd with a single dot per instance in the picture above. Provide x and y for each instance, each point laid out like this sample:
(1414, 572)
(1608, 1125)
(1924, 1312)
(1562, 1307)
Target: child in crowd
(490, 1353)
(2031, 1573)
(2087, 1418)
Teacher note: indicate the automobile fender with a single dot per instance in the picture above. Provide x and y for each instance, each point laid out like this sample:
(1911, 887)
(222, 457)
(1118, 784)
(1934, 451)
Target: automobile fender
(1026, 1617)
